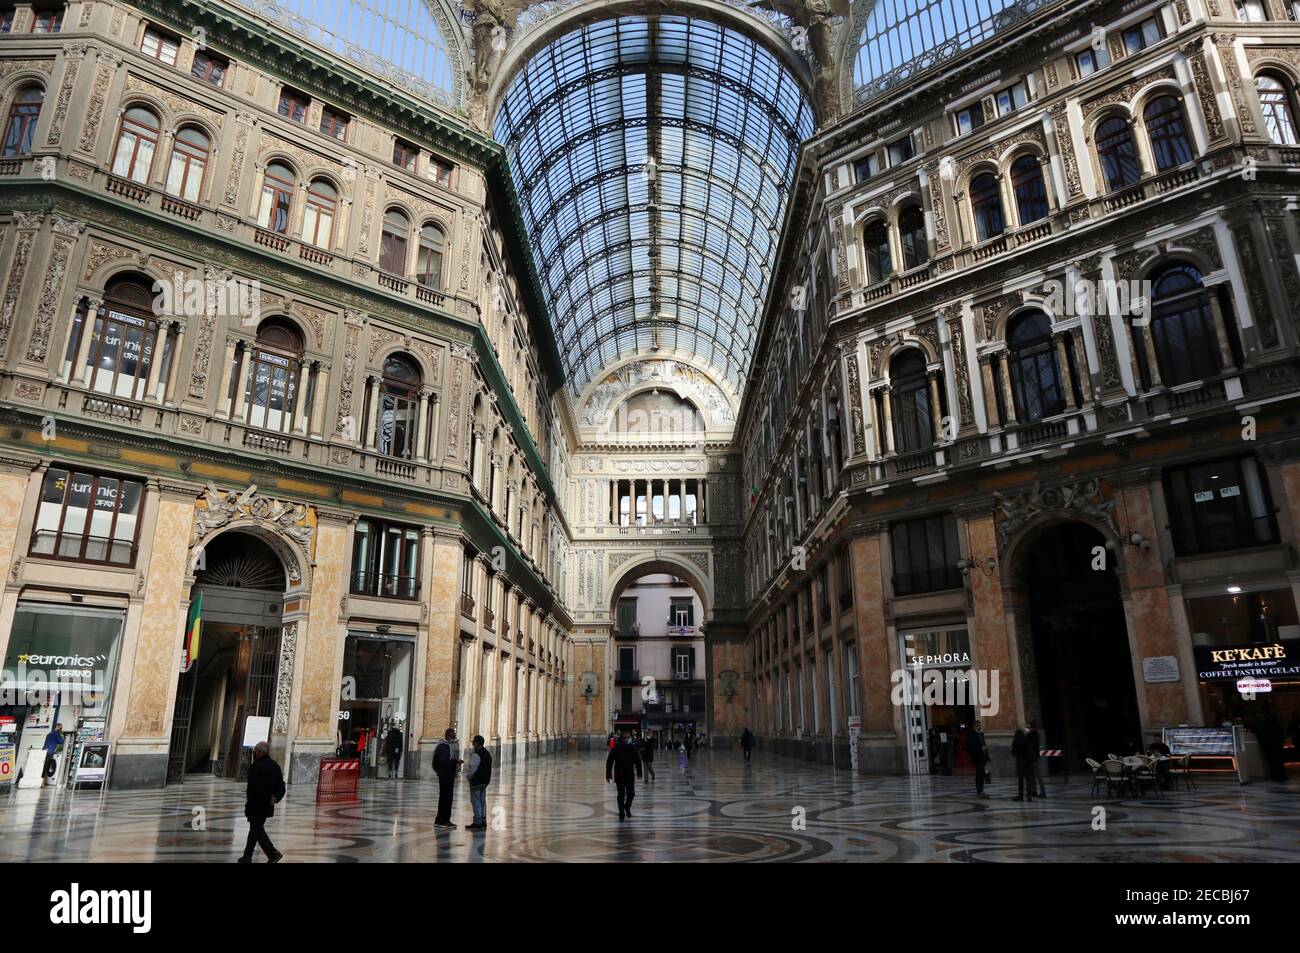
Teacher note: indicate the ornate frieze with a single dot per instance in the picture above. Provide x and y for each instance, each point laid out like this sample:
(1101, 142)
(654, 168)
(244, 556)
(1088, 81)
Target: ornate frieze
(965, 410)
(1205, 91)
(1256, 289)
(73, 53)
(284, 677)
(1065, 146)
(855, 403)
(26, 228)
(1083, 498)
(64, 237)
(243, 125)
(217, 509)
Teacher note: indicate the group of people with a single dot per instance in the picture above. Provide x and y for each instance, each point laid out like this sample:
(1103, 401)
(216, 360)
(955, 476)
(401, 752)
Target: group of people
(1026, 744)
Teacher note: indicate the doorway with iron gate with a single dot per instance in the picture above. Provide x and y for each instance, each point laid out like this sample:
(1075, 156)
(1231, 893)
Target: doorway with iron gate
(242, 584)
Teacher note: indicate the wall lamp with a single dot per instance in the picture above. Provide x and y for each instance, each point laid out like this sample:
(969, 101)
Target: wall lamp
(1131, 539)
(964, 566)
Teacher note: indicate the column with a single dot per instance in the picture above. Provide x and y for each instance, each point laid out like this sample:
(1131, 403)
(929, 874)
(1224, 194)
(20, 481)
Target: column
(172, 383)
(887, 402)
(245, 372)
(300, 396)
(1007, 400)
(67, 343)
(155, 361)
(372, 390)
(82, 365)
(422, 425)
(704, 512)
(1081, 363)
(1153, 366)
(1221, 328)
(990, 394)
(317, 420)
(936, 415)
(1063, 363)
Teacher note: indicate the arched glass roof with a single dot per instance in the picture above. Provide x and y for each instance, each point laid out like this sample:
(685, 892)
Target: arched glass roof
(401, 40)
(899, 38)
(653, 156)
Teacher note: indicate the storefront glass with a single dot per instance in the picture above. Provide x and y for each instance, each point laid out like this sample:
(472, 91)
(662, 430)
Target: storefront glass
(935, 693)
(374, 709)
(59, 669)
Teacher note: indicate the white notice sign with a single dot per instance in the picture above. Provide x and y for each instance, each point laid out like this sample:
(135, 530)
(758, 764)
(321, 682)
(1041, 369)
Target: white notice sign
(1160, 668)
(256, 728)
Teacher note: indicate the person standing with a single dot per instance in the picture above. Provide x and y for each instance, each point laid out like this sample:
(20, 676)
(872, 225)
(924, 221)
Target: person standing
(747, 743)
(1035, 743)
(445, 763)
(682, 756)
(1024, 764)
(393, 749)
(648, 758)
(53, 742)
(623, 767)
(265, 790)
(478, 774)
(977, 749)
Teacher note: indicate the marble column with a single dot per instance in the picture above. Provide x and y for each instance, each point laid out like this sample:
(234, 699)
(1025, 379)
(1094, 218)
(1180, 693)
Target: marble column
(936, 412)
(224, 406)
(300, 396)
(171, 385)
(83, 367)
(991, 649)
(883, 745)
(155, 361)
(1063, 368)
(887, 402)
(444, 633)
(1008, 400)
(1153, 365)
(316, 425)
(422, 425)
(990, 391)
(245, 374)
(372, 425)
(1221, 328)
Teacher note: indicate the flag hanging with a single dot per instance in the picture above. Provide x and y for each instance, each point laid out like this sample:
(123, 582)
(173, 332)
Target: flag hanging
(193, 628)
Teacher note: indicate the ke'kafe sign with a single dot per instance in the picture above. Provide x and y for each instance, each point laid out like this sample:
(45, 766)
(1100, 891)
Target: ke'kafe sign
(1271, 660)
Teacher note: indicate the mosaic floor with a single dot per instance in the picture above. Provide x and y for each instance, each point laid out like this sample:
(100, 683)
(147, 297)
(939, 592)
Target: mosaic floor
(560, 809)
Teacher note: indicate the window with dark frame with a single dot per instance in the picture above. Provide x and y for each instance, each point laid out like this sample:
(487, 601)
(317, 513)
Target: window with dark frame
(160, 46)
(386, 560)
(20, 125)
(87, 517)
(334, 124)
(293, 105)
(405, 155)
(209, 68)
(925, 555)
(1219, 505)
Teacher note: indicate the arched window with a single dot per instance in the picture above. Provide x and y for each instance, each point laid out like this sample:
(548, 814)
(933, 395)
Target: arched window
(875, 245)
(986, 205)
(392, 244)
(273, 376)
(913, 415)
(1035, 375)
(136, 143)
(399, 398)
(278, 184)
(121, 349)
(1031, 191)
(428, 265)
(1167, 130)
(1182, 326)
(21, 124)
(1118, 156)
(1278, 115)
(189, 160)
(318, 216)
(911, 235)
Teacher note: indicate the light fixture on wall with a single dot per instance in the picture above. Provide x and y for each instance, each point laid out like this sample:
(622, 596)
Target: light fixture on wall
(964, 566)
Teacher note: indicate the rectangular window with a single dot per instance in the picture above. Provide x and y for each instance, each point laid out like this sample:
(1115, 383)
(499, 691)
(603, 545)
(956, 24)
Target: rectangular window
(47, 21)
(293, 105)
(159, 46)
(386, 560)
(404, 155)
(681, 613)
(1219, 505)
(867, 166)
(851, 677)
(900, 151)
(969, 119)
(1144, 34)
(626, 616)
(334, 124)
(1011, 98)
(87, 517)
(209, 68)
(683, 661)
(1251, 11)
(925, 555)
(845, 579)
(1091, 60)
(440, 171)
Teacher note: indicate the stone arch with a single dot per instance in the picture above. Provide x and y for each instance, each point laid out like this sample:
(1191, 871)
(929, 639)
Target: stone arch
(660, 561)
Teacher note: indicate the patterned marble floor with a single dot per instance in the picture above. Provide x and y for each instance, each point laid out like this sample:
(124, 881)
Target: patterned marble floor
(560, 809)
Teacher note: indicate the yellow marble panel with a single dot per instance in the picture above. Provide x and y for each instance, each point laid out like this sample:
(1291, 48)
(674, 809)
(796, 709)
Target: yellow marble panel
(325, 634)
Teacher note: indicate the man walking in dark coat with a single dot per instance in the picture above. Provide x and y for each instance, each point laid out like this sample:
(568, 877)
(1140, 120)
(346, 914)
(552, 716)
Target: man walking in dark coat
(1025, 759)
(393, 748)
(648, 757)
(1035, 742)
(445, 764)
(977, 749)
(747, 743)
(265, 790)
(623, 767)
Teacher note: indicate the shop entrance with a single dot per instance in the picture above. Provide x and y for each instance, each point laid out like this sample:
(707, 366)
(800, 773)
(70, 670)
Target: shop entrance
(938, 698)
(375, 704)
(1086, 697)
(234, 676)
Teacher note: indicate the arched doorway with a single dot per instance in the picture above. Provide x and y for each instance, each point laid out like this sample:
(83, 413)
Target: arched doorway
(659, 658)
(242, 583)
(1081, 687)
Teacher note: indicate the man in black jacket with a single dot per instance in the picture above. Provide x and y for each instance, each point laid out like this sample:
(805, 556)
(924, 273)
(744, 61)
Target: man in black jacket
(445, 764)
(623, 766)
(393, 749)
(977, 749)
(479, 775)
(1025, 758)
(265, 790)
(1035, 742)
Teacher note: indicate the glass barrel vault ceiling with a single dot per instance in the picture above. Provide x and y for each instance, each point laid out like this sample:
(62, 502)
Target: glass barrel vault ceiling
(653, 156)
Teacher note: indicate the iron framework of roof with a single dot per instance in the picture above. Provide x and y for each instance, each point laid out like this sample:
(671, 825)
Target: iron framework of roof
(653, 158)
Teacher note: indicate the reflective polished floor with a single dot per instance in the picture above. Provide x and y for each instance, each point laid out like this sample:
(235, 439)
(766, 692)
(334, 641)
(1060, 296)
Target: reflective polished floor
(559, 808)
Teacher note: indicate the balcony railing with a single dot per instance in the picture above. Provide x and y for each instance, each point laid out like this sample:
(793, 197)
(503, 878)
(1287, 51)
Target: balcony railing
(489, 619)
(627, 676)
(1195, 539)
(628, 632)
(384, 584)
(467, 605)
